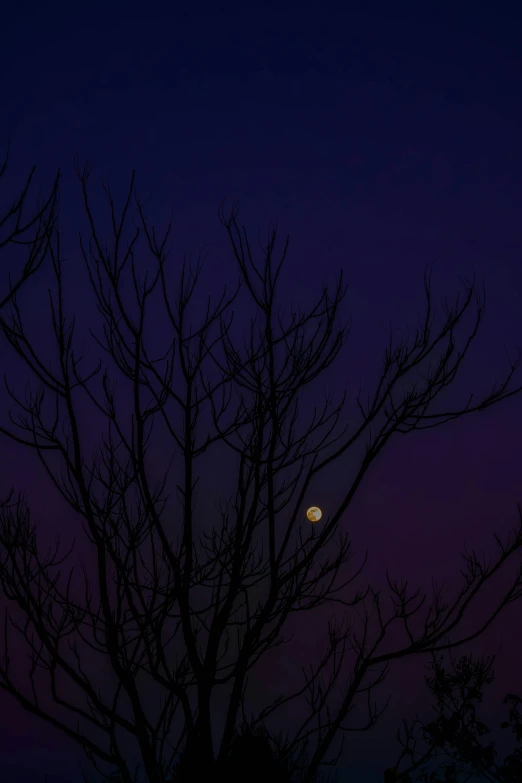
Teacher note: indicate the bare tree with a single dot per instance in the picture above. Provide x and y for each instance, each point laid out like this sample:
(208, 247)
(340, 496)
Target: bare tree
(32, 233)
(188, 612)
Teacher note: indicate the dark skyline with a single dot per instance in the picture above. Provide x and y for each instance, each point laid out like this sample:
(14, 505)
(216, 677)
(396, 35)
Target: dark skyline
(382, 142)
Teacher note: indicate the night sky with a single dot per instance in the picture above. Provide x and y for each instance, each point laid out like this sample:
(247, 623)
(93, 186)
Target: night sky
(382, 139)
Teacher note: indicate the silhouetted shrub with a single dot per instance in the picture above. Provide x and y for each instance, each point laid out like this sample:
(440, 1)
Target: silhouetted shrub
(251, 760)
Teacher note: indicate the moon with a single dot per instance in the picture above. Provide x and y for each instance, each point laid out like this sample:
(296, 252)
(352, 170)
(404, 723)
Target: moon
(314, 514)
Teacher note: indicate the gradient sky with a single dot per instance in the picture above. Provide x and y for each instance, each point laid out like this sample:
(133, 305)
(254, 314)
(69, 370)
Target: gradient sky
(382, 140)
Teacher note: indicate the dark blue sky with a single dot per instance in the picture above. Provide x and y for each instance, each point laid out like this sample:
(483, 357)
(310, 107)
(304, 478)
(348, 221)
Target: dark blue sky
(383, 139)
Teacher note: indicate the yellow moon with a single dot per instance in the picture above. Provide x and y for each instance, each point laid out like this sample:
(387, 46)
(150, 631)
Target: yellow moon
(314, 514)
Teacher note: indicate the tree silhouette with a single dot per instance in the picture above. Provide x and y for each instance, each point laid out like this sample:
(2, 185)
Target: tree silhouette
(456, 732)
(187, 612)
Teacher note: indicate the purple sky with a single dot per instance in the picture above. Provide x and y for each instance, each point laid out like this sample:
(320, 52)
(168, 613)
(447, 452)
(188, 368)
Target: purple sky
(381, 141)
